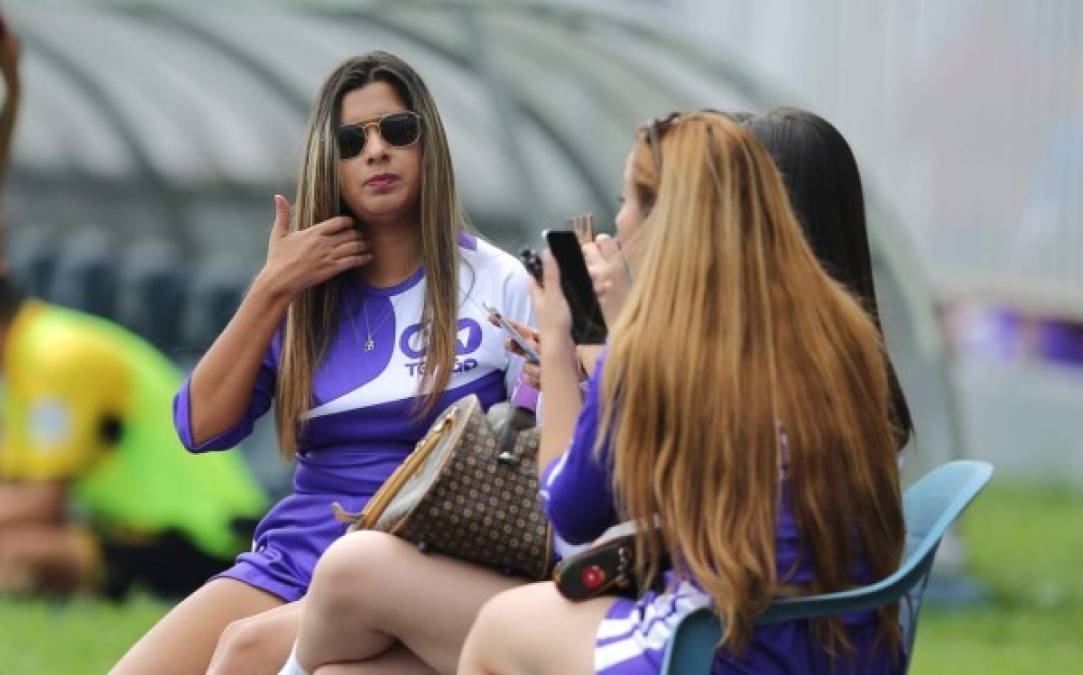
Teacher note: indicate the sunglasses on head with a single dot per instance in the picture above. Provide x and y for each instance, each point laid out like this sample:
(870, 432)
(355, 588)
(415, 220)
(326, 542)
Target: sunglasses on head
(654, 136)
(398, 129)
(659, 124)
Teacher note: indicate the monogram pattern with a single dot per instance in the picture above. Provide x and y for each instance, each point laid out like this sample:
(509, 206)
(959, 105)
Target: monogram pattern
(484, 505)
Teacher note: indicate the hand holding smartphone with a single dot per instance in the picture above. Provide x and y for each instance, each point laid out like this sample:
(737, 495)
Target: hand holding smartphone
(529, 353)
(588, 323)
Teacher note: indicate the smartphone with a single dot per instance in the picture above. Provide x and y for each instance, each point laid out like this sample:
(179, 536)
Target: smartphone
(588, 324)
(531, 355)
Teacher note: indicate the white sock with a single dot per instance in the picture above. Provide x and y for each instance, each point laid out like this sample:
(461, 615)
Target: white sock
(293, 667)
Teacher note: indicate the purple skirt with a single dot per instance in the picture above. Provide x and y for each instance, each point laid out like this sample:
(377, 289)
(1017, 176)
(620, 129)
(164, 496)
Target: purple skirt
(294, 534)
(288, 542)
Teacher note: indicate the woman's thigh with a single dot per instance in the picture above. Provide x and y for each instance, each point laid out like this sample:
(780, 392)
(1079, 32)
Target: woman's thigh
(391, 592)
(534, 629)
(184, 639)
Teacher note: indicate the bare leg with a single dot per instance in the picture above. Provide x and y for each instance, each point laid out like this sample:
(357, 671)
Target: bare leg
(395, 661)
(515, 634)
(371, 590)
(48, 558)
(257, 644)
(183, 640)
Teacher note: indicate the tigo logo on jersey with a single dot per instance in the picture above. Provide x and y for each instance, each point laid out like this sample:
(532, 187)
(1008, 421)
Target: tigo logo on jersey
(467, 341)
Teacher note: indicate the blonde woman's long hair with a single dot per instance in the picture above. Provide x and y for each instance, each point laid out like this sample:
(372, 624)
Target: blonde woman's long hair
(737, 361)
(312, 316)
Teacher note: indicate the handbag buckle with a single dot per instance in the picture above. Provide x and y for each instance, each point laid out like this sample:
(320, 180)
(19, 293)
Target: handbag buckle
(507, 458)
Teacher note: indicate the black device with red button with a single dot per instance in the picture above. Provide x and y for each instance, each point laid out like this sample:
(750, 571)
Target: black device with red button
(606, 568)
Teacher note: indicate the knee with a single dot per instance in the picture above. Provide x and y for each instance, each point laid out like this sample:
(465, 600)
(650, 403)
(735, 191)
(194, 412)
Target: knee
(481, 652)
(505, 618)
(350, 571)
(240, 648)
(501, 613)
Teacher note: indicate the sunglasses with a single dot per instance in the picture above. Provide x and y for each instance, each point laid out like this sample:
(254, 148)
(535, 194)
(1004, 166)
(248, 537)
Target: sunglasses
(654, 136)
(659, 124)
(399, 129)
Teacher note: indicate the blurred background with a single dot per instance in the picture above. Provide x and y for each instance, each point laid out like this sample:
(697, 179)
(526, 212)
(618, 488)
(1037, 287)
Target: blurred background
(153, 134)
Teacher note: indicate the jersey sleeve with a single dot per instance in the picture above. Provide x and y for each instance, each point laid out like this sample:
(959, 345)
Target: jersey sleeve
(258, 404)
(576, 487)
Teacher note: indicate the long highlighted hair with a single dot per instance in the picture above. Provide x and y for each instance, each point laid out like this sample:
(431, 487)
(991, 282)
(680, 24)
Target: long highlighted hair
(313, 314)
(735, 361)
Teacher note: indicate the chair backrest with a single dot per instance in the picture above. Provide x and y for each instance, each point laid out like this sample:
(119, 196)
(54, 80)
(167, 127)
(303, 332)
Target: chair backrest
(930, 506)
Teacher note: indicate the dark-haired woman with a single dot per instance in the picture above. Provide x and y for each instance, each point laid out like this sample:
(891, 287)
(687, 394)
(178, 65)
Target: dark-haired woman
(824, 186)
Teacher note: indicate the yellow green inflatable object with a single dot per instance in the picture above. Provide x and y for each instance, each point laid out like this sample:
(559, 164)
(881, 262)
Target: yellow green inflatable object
(88, 402)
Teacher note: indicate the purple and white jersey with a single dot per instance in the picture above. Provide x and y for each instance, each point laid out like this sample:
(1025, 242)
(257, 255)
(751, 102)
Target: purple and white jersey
(364, 418)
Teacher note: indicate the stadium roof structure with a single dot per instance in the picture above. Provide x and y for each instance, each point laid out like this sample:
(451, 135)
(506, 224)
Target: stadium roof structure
(180, 99)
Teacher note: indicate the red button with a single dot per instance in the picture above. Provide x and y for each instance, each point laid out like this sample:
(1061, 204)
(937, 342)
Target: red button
(593, 577)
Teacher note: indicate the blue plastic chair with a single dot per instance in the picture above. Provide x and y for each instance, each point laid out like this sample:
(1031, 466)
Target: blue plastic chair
(930, 506)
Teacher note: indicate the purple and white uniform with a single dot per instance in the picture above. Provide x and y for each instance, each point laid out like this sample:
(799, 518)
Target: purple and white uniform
(362, 424)
(632, 639)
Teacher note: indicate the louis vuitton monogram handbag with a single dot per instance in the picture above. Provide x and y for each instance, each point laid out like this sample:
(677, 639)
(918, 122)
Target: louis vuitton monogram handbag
(469, 490)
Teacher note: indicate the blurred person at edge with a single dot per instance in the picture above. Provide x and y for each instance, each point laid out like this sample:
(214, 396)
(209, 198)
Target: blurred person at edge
(9, 70)
(366, 321)
(97, 494)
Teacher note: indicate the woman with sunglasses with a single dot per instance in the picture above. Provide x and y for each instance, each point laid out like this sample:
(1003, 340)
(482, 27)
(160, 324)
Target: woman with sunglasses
(763, 447)
(375, 599)
(366, 321)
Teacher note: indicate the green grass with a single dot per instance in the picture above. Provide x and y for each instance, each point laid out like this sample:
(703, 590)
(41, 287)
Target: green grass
(40, 637)
(1025, 543)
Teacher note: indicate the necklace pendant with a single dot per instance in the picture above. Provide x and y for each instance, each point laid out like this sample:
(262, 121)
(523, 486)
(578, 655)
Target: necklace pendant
(370, 345)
